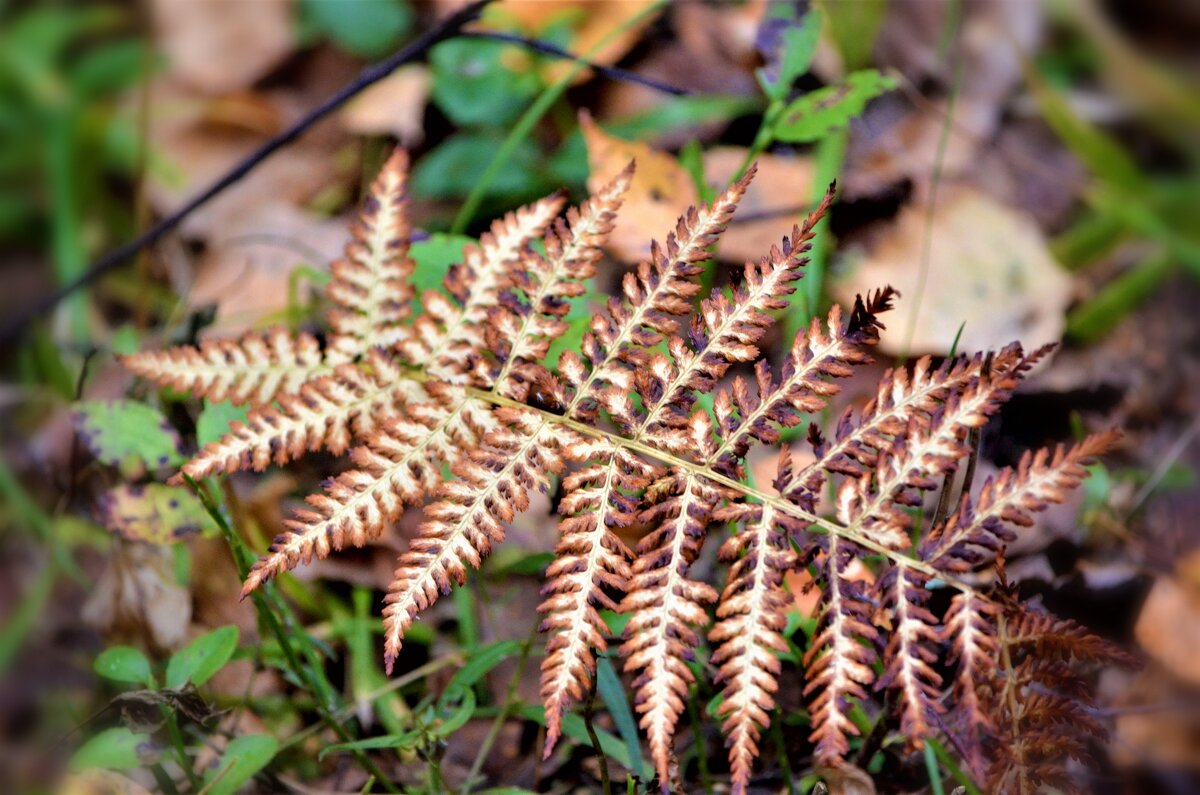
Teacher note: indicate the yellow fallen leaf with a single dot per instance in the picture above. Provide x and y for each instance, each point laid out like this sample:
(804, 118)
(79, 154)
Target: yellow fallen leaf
(988, 267)
(1168, 628)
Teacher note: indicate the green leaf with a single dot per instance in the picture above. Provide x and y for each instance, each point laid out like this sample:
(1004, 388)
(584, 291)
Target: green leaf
(127, 434)
(203, 657)
(452, 168)
(574, 727)
(824, 111)
(797, 46)
(853, 26)
(455, 720)
(243, 757)
(363, 27)
(682, 113)
(608, 685)
(483, 660)
(154, 513)
(473, 86)
(401, 742)
(124, 664)
(434, 258)
(112, 749)
(215, 418)
(1101, 313)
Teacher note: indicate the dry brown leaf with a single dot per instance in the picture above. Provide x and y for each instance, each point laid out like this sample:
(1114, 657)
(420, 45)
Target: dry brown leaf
(1168, 628)
(248, 263)
(393, 106)
(137, 599)
(217, 47)
(847, 779)
(778, 197)
(593, 21)
(100, 782)
(988, 266)
(661, 189)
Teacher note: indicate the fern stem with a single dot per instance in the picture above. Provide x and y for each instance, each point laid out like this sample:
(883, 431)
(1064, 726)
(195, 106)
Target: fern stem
(699, 470)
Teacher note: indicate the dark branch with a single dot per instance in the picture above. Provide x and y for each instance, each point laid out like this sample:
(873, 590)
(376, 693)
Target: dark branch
(608, 71)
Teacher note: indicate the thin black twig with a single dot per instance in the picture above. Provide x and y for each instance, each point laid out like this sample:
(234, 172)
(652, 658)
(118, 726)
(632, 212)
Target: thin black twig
(447, 28)
(546, 48)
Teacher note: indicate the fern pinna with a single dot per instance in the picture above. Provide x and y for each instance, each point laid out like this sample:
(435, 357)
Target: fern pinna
(465, 385)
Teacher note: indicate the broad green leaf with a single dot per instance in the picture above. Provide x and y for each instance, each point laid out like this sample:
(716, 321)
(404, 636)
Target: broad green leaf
(574, 727)
(826, 110)
(124, 664)
(853, 26)
(154, 512)
(215, 419)
(401, 742)
(124, 433)
(477, 666)
(243, 757)
(203, 657)
(473, 86)
(452, 168)
(797, 46)
(683, 113)
(363, 27)
(112, 749)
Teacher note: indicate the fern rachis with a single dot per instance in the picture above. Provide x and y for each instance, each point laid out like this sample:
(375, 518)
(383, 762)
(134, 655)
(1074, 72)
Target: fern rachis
(464, 385)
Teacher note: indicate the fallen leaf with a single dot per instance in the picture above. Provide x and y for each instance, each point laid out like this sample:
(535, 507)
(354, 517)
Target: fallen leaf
(137, 599)
(219, 47)
(100, 782)
(154, 513)
(779, 196)
(1168, 627)
(590, 21)
(246, 269)
(846, 779)
(393, 106)
(989, 271)
(661, 190)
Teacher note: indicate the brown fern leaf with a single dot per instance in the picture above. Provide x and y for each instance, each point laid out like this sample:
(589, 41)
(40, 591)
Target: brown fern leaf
(370, 283)
(751, 616)
(839, 662)
(977, 532)
(653, 298)
(491, 489)
(911, 653)
(664, 605)
(531, 314)
(902, 401)
(590, 563)
(821, 353)
(326, 413)
(969, 629)
(256, 369)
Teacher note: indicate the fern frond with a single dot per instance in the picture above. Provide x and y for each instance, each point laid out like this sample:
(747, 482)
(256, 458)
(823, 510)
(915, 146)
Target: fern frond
(802, 388)
(474, 288)
(751, 617)
(370, 283)
(326, 413)
(255, 369)
(903, 400)
(840, 659)
(653, 298)
(664, 605)
(590, 563)
(974, 534)
(399, 466)
(969, 629)
(491, 489)
(911, 653)
(523, 328)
